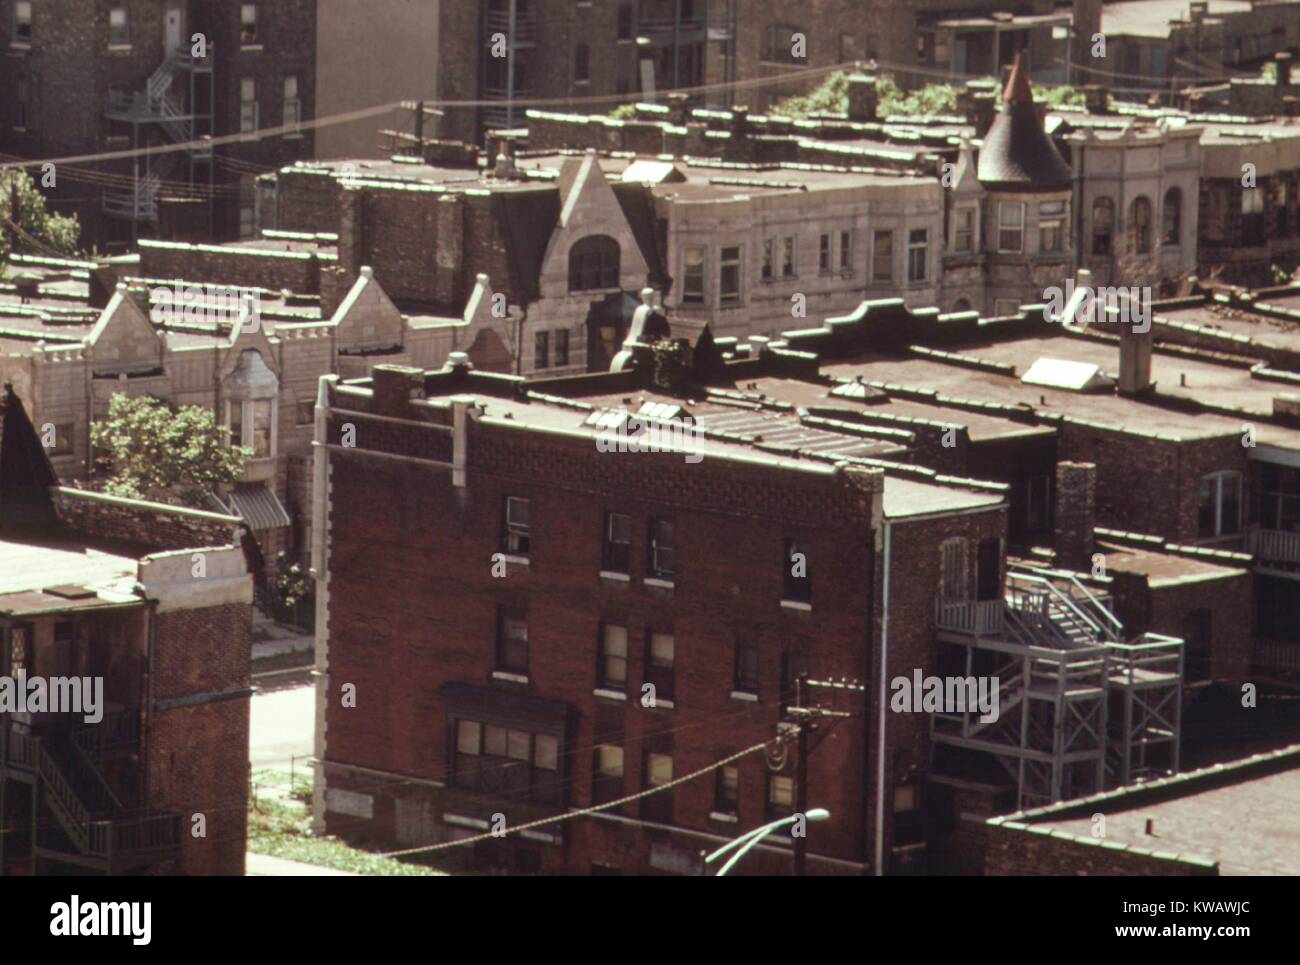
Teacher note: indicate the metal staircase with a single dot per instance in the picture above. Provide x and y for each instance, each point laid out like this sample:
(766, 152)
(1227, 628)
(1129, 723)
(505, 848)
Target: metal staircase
(100, 832)
(1080, 709)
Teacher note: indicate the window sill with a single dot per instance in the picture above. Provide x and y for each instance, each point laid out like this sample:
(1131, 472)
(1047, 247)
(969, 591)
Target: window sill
(516, 560)
(608, 694)
(662, 703)
(658, 583)
(796, 605)
(250, 48)
(514, 678)
(294, 136)
(724, 817)
(20, 45)
(744, 695)
(615, 576)
(119, 48)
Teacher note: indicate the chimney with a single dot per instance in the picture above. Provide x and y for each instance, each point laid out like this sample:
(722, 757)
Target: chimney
(395, 386)
(678, 109)
(977, 102)
(862, 98)
(1283, 60)
(1076, 500)
(740, 121)
(1096, 99)
(1135, 352)
(505, 160)
(1198, 10)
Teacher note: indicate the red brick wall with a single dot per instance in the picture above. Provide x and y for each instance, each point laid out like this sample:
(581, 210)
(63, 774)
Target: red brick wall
(197, 754)
(1014, 850)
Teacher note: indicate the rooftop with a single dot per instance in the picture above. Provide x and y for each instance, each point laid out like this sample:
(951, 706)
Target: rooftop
(1155, 18)
(50, 577)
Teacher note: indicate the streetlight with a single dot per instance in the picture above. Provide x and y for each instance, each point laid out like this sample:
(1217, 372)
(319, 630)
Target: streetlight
(750, 838)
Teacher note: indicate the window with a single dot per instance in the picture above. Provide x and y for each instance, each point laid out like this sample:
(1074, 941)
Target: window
(306, 413)
(963, 240)
(1172, 217)
(846, 251)
(1197, 636)
(1214, 217)
(787, 257)
(659, 666)
(611, 670)
(517, 539)
(1252, 216)
(918, 254)
(618, 543)
(581, 64)
(909, 819)
(248, 23)
(954, 573)
(769, 247)
(508, 761)
(1103, 225)
(662, 549)
(693, 275)
(882, 256)
(1220, 505)
(1139, 227)
(542, 350)
(607, 773)
(23, 21)
(512, 642)
(119, 34)
(726, 789)
(1051, 226)
(746, 667)
(247, 105)
(824, 254)
(658, 772)
(729, 275)
(594, 264)
(561, 347)
(22, 114)
(1038, 505)
(62, 440)
(251, 424)
(779, 48)
(1011, 226)
(797, 587)
(848, 48)
(292, 103)
(780, 795)
(625, 21)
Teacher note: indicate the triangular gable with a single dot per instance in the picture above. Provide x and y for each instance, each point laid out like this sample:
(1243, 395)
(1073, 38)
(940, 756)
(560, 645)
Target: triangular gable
(367, 318)
(124, 340)
(589, 207)
(26, 474)
(480, 320)
(241, 340)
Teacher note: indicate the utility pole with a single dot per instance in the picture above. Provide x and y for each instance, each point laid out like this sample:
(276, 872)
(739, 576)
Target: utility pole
(806, 718)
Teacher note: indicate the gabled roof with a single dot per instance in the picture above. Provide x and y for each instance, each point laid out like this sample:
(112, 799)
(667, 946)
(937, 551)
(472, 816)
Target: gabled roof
(1018, 154)
(25, 471)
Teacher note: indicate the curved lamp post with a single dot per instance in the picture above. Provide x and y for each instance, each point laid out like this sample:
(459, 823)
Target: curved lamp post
(751, 838)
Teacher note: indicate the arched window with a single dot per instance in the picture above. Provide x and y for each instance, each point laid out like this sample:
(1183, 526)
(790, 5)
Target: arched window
(1139, 227)
(1171, 224)
(1103, 225)
(593, 264)
(961, 305)
(1214, 217)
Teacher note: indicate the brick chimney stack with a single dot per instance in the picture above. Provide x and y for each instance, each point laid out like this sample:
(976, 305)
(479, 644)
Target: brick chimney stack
(863, 102)
(1076, 511)
(1135, 355)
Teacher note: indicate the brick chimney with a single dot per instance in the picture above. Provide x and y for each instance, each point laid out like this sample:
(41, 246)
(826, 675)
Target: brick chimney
(1096, 99)
(679, 109)
(1283, 60)
(395, 386)
(863, 102)
(1076, 510)
(740, 122)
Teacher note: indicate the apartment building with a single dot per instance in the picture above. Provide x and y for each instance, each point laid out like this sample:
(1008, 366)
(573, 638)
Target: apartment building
(148, 606)
(94, 76)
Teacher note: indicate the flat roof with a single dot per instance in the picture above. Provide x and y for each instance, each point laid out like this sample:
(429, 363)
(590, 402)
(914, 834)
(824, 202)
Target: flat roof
(1154, 18)
(1249, 827)
(1164, 569)
(30, 570)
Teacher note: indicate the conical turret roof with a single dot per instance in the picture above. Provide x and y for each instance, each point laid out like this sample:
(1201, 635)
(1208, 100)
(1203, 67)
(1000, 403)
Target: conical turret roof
(1018, 155)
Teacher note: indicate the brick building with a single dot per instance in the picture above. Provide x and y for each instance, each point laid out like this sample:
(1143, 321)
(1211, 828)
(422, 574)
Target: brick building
(92, 76)
(154, 602)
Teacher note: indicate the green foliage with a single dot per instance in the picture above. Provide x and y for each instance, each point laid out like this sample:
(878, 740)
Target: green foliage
(157, 452)
(1065, 97)
(49, 233)
(832, 97)
(624, 112)
(291, 584)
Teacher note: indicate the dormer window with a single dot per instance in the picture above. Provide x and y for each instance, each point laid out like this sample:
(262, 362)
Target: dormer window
(594, 264)
(252, 404)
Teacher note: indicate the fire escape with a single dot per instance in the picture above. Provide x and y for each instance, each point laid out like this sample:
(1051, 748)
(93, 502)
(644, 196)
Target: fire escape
(514, 23)
(93, 827)
(1080, 709)
(175, 107)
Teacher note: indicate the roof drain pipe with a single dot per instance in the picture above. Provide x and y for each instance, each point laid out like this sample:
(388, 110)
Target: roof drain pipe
(884, 704)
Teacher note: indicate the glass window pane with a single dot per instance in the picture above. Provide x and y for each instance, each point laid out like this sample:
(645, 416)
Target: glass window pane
(519, 745)
(494, 740)
(546, 752)
(468, 735)
(661, 649)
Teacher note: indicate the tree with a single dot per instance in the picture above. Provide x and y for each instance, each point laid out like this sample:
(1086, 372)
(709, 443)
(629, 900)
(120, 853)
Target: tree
(159, 452)
(35, 229)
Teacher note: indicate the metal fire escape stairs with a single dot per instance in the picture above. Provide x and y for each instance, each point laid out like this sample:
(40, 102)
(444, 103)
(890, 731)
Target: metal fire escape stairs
(169, 110)
(1081, 709)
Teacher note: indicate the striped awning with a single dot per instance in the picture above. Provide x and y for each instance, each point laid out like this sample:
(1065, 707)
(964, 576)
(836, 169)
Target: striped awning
(258, 507)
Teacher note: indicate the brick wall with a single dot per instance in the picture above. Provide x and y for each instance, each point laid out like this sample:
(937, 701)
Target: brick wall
(197, 731)
(126, 522)
(1014, 849)
(226, 266)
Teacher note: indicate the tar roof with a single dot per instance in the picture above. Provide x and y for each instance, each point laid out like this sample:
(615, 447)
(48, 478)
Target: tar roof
(27, 569)
(1165, 569)
(1250, 826)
